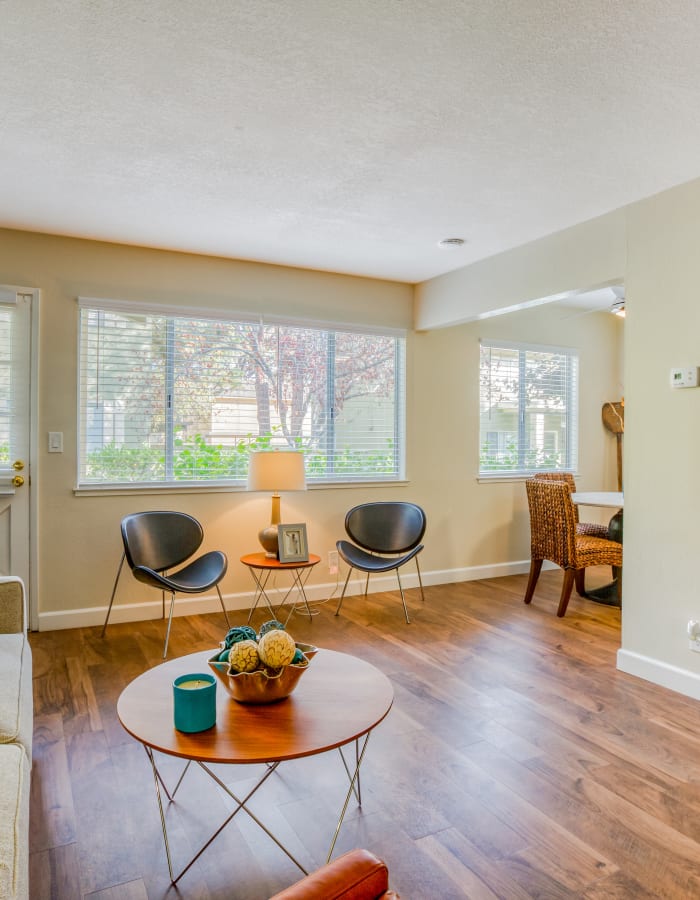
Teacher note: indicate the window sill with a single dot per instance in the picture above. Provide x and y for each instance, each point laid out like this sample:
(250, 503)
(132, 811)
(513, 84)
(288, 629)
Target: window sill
(118, 490)
(516, 476)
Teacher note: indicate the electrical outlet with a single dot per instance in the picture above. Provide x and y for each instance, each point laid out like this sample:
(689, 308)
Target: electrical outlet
(333, 562)
(694, 635)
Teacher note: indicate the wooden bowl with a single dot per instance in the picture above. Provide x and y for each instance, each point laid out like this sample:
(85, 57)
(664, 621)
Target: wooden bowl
(261, 686)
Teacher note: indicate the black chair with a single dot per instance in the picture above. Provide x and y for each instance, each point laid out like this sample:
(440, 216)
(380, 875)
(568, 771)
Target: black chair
(379, 529)
(157, 541)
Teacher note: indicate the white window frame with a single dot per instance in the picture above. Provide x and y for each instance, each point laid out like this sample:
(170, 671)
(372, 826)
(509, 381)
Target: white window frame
(571, 385)
(172, 484)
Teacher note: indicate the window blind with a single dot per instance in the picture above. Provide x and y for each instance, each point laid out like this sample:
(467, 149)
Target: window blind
(528, 399)
(7, 382)
(167, 398)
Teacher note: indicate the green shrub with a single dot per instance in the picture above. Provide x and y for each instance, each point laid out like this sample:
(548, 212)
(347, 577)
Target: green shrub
(196, 460)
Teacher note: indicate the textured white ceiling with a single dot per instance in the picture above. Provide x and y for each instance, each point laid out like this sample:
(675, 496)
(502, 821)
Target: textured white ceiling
(348, 135)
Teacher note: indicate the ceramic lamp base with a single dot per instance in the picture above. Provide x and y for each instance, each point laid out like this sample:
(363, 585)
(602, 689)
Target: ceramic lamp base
(268, 539)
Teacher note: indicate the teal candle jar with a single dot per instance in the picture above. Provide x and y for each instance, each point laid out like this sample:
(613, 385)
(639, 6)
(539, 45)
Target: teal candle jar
(194, 702)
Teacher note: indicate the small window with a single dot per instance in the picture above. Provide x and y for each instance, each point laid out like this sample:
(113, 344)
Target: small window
(528, 409)
(181, 399)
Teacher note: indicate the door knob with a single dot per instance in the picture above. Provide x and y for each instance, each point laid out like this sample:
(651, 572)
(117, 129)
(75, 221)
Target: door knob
(18, 465)
(17, 480)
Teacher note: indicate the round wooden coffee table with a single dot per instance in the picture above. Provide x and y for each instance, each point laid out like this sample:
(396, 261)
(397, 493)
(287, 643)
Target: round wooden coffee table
(338, 701)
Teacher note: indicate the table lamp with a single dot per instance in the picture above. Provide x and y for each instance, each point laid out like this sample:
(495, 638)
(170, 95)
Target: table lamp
(275, 470)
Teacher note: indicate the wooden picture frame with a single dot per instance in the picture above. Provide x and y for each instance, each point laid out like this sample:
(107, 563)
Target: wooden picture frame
(292, 543)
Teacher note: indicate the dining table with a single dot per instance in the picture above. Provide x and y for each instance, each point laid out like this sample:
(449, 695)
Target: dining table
(608, 593)
(612, 499)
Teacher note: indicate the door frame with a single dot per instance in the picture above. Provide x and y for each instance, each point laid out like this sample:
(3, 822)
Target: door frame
(34, 463)
(33, 587)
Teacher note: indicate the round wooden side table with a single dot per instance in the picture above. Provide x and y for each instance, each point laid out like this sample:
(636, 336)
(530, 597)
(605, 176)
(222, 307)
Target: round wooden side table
(261, 567)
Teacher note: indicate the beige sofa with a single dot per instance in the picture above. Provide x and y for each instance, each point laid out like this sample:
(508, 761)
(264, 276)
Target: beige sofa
(16, 724)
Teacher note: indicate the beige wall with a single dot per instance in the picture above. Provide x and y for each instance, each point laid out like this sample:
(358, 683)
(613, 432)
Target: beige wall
(653, 244)
(78, 542)
(662, 480)
(486, 523)
(473, 528)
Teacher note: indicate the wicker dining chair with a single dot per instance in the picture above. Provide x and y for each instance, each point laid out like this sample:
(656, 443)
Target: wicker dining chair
(553, 536)
(590, 528)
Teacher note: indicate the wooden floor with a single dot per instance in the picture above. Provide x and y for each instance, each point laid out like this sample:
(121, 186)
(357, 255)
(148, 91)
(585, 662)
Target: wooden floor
(516, 762)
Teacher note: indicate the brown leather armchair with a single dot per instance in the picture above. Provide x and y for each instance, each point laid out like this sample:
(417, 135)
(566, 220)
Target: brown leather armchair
(357, 875)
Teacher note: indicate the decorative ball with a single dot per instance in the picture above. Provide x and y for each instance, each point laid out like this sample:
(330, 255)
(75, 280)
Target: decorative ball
(223, 656)
(243, 656)
(299, 659)
(239, 633)
(276, 649)
(272, 625)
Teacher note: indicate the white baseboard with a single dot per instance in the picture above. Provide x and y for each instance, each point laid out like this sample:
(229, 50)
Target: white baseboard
(452, 576)
(187, 606)
(676, 679)
(139, 612)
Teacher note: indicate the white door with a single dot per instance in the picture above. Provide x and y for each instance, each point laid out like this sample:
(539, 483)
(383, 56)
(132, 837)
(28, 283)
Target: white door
(15, 418)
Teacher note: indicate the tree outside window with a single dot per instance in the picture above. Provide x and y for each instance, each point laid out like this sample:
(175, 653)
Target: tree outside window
(170, 398)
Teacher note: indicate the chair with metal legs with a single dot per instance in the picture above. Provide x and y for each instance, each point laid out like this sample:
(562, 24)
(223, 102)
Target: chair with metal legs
(385, 535)
(156, 542)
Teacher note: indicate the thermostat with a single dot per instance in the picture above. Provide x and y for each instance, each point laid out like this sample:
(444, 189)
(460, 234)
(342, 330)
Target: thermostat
(684, 378)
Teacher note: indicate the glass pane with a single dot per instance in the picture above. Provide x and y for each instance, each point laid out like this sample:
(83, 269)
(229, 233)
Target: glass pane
(211, 405)
(499, 409)
(546, 416)
(6, 384)
(528, 410)
(364, 406)
(186, 399)
(122, 397)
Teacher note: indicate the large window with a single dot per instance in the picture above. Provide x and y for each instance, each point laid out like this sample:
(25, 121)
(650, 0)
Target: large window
(174, 398)
(528, 409)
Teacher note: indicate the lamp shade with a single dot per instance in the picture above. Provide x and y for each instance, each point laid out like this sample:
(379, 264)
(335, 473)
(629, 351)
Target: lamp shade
(276, 470)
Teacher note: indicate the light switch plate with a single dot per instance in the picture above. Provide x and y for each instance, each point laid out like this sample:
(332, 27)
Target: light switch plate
(55, 442)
